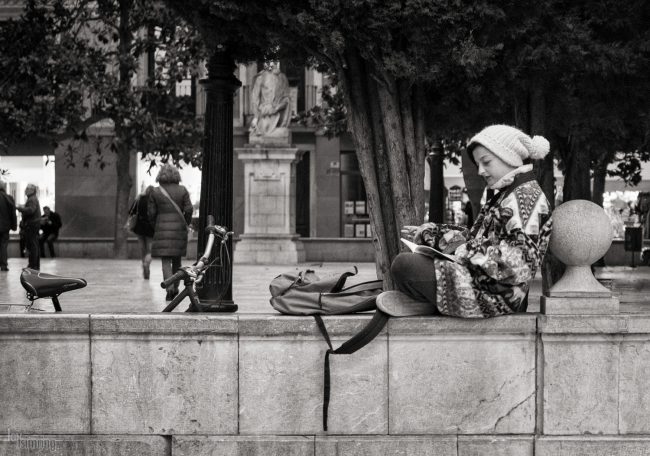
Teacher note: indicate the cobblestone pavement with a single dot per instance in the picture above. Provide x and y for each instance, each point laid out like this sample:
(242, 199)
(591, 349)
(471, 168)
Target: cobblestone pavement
(116, 286)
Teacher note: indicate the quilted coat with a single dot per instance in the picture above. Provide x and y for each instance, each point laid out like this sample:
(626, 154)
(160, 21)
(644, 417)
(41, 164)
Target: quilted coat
(505, 247)
(170, 229)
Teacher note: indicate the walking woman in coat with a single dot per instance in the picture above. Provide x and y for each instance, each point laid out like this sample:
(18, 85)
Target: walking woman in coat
(170, 213)
(498, 257)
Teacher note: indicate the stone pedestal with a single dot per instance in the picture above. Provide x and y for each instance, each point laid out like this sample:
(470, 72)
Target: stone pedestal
(581, 235)
(270, 206)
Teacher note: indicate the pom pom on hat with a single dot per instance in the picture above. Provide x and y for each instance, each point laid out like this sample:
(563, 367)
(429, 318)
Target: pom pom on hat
(510, 144)
(541, 147)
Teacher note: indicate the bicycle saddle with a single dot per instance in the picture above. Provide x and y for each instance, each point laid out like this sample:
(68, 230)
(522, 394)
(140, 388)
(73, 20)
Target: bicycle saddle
(41, 285)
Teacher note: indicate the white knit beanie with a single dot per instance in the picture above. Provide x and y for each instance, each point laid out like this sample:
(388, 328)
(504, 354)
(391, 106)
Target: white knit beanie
(510, 144)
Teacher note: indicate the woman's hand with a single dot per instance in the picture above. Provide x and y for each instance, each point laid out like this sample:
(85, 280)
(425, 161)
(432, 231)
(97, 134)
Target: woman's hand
(450, 241)
(426, 234)
(441, 236)
(408, 232)
(422, 234)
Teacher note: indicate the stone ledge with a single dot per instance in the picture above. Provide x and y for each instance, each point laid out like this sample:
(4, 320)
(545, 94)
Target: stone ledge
(491, 445)
(82, 445)
(284, 325)
(594, 324)
(589, 445)
(425, 445)
(309, 445)
(172, 324)
(243, 446)
(510, 324)
(601, 304)
(50, 323)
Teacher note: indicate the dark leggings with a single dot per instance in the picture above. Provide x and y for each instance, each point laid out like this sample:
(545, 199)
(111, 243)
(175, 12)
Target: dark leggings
(415, 275)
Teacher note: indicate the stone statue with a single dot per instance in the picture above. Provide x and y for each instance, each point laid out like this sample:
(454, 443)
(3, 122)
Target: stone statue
(270, 103)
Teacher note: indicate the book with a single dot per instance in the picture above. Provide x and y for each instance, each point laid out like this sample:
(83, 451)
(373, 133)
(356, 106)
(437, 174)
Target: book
(428, 251)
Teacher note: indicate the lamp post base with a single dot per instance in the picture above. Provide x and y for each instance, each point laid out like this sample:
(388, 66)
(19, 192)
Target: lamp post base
(215, 306)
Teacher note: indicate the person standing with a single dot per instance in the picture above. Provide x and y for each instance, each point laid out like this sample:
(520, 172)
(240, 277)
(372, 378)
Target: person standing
(143, 228)
(170, 213)
(7, 223)
(50, 226)
(31, 216)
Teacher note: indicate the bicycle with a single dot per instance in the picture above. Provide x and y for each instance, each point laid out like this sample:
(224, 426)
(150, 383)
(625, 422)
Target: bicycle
(192, 276)
(42, 285)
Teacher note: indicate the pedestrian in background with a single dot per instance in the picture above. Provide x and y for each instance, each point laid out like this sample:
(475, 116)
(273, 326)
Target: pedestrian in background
(50, 226)
(21, 239)
(170, 213)
(7, 223)
(31, 216)
(143, 228)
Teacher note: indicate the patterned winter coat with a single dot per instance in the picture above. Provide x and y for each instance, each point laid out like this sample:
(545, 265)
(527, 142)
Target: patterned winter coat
(506, 246)
(170, 229)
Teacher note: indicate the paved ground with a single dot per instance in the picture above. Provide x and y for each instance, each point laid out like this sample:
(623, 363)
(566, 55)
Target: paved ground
(116, 286)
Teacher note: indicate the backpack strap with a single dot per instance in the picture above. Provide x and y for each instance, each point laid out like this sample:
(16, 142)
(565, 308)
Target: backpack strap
(362, 286)
(341, 282)
(178, 209)
(355, 343)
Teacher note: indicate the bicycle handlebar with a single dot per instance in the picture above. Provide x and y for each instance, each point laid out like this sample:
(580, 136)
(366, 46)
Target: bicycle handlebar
(213, 230)
(177, 276)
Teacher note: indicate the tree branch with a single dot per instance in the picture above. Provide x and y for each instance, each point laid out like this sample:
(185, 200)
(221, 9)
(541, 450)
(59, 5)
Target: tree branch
(75, 129)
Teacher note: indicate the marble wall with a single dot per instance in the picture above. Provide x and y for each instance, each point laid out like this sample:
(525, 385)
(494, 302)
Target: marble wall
(252, 385)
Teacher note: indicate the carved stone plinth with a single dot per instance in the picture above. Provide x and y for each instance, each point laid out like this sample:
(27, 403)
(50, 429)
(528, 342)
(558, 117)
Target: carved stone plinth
(280, 137)
(270, 206)
(581, 235)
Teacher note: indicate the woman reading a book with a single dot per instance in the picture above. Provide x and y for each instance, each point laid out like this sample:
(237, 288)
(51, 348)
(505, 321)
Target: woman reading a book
(495, 260)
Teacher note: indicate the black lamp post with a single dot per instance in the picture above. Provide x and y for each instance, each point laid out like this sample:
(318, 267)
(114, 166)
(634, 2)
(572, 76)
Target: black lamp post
(217, 173)
(435, 158)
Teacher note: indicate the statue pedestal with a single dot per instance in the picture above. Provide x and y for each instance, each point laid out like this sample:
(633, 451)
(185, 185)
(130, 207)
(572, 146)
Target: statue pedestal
(270, 206)
(279, 137)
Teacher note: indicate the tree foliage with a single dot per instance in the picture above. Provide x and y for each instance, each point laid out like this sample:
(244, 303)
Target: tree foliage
(384, 55)
(575, 72)
(68, 64)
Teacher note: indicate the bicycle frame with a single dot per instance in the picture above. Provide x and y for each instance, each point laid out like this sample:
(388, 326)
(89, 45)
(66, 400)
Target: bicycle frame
(193, 275)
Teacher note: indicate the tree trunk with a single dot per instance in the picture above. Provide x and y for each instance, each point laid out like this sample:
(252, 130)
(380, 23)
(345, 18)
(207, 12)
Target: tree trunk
(474, 183)
(385, 119)
(600, 174)
(531, 116)
(124, 184)
(436, 162)
(576, 178)
(537, 126)
(122, 143)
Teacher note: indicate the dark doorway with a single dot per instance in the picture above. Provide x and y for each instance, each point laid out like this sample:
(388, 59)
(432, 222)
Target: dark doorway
(302, 196)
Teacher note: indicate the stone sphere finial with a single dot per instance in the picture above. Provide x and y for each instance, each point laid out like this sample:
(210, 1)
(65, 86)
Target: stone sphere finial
(582, 234)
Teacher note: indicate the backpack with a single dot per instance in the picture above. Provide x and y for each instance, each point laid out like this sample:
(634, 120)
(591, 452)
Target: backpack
(305, 293)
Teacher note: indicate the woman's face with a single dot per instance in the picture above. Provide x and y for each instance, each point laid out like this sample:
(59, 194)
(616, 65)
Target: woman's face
(490, 167)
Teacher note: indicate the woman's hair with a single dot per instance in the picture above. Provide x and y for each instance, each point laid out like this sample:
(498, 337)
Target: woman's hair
(168, 174)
